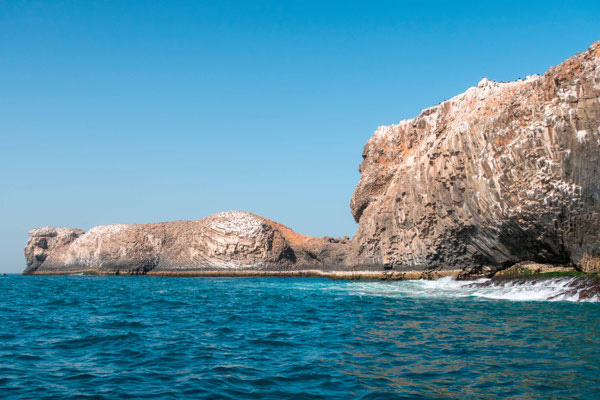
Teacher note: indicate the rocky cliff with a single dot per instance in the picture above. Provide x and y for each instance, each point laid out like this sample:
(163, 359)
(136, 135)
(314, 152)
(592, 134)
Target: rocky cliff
(502, 173)
(226, 241)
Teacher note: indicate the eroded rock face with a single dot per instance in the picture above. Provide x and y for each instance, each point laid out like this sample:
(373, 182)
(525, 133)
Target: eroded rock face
(234, 240)
(48, 240)
(502, 173)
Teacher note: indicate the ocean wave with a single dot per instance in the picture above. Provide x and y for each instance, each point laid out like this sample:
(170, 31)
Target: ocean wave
(573, 289)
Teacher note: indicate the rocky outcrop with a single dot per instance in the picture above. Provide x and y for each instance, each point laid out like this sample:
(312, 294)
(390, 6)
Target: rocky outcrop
(229, 240)
(502, 173)
(525, 269)
(45, 241)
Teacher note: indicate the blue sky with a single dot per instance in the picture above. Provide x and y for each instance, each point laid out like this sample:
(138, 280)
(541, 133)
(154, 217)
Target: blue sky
(135, 112)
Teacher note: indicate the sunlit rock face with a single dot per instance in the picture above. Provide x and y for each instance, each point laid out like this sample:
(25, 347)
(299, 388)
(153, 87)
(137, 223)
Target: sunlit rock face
(48, 240)
(501, 173)
(229, 240)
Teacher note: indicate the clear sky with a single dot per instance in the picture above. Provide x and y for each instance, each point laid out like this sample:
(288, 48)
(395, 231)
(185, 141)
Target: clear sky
(142, 111)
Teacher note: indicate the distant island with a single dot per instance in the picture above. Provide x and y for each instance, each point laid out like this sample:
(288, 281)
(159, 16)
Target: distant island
(502, 176)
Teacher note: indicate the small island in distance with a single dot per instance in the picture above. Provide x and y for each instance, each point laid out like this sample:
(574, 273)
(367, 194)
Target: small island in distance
(504, 175)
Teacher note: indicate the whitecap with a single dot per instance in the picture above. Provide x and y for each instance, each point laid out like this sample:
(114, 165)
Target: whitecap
(552, 289)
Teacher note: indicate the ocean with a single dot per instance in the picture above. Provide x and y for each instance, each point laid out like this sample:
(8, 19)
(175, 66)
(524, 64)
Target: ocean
(74, 337)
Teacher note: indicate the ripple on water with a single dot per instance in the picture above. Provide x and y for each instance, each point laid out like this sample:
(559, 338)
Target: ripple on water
(132, 337)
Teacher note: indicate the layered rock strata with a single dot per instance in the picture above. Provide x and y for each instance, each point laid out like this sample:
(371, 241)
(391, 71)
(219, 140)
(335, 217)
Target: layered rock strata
(502, 173)
(232, 240)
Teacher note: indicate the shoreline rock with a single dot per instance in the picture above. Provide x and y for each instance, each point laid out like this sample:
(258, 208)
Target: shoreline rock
(521, 270)
(303, 273)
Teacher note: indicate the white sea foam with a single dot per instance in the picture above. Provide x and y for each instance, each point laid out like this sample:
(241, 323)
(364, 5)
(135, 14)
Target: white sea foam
(555, 289)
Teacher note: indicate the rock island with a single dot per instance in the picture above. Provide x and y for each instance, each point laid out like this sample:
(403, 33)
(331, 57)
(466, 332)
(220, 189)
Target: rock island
(503, 174)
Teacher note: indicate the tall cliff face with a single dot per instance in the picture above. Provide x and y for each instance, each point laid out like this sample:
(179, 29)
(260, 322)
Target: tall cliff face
(501, 173)
(229, 240)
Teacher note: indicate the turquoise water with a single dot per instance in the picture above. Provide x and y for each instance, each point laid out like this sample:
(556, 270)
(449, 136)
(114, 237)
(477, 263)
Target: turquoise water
(283, 338)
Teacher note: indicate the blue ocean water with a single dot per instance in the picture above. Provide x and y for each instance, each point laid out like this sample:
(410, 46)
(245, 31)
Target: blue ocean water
(67, 337)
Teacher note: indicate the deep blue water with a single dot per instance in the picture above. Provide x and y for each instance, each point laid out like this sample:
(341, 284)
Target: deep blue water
(283, 338)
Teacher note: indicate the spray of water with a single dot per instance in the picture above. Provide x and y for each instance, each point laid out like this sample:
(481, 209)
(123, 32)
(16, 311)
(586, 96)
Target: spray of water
(554, 289)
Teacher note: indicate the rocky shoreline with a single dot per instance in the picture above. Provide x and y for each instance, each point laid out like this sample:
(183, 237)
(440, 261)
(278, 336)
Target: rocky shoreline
(504, 173)
(332, 275)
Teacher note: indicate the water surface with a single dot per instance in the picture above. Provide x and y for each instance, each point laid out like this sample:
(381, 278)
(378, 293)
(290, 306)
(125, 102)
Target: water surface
(287, 338)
